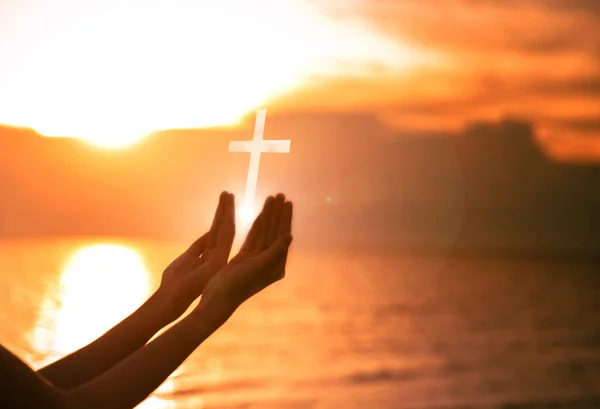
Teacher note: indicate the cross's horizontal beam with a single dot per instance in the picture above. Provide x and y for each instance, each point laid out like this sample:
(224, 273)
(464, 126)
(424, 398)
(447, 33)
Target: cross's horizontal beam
(265, 146)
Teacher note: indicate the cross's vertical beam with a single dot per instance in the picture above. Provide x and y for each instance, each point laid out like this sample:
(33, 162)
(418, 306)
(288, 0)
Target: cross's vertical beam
(256, 147)
(252, 181)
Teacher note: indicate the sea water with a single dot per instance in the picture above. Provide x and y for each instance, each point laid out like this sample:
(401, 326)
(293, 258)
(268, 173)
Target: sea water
(342, 330)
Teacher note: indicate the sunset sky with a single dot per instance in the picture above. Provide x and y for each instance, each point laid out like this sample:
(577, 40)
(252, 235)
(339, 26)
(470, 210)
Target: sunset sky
(112, 71)
(412, 123)
(442, 158)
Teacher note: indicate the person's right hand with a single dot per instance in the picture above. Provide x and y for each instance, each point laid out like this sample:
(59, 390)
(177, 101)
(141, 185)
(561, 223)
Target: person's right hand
(186, 277)
(260, 263)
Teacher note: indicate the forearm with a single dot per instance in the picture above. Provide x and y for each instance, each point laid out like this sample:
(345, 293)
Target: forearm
(122, 340)
(128, 383)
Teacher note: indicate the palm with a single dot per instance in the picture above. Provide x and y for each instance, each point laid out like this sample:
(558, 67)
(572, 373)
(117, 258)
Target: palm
(186, 277)
(261, 261)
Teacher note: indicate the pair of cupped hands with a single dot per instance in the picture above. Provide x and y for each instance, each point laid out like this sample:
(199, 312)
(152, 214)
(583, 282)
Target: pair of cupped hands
(205, 269)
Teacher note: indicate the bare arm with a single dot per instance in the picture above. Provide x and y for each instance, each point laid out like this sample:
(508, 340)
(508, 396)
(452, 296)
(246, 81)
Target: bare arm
(123, 386)
(128, 383)
(102, 354)
(261, 262)
(182, 282)
(21, 387)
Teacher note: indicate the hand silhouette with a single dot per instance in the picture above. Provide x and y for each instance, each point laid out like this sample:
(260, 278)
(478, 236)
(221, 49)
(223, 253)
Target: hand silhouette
(186, 277)
(260, 262)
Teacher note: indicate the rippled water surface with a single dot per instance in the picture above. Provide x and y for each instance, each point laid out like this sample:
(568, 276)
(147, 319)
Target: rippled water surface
(341, 331)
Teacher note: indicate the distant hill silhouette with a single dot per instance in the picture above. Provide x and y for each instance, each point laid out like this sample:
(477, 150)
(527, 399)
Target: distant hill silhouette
(355, 183)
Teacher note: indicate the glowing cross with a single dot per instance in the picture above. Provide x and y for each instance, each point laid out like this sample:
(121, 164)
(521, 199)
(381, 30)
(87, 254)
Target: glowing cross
(256, 147)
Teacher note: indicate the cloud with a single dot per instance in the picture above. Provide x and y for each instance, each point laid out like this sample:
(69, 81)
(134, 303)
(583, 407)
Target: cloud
(556, 5)
(429, 66)
(535, 59)
(89, 69)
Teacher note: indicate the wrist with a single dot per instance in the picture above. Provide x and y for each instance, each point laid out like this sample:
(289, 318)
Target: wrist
(209, 316)
(200, 324)
(159, 306)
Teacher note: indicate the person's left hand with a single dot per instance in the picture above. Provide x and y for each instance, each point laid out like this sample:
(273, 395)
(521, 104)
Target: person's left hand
(260, 263)
(186, 277)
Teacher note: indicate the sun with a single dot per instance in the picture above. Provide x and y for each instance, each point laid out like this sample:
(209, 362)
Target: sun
(113, 138)
(121, 70)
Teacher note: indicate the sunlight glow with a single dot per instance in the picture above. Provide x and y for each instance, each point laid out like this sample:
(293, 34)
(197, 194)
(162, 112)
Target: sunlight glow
(111, 72)
(100, 285)
(246, 215)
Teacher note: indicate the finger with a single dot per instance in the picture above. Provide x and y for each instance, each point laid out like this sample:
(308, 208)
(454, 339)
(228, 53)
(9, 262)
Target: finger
(265, 221)
(275, 217)
(250, 241)
(285, 222)
(197, 247)
(274, 254)
(217, 221)
(226, 232)
(285, 228)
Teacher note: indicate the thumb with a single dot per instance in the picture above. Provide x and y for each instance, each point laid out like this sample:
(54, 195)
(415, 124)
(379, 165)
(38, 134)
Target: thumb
(275, 252)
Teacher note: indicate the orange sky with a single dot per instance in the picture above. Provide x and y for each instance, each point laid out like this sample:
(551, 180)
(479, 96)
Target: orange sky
(419, 65)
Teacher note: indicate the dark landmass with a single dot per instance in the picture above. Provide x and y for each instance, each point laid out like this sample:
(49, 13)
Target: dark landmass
(356, 184)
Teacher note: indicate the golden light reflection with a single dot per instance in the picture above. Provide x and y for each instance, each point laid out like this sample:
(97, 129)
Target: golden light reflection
(100, 285)
(120, 70)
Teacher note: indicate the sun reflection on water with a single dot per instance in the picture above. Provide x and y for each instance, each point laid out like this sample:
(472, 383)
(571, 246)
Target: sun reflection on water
(99, 286)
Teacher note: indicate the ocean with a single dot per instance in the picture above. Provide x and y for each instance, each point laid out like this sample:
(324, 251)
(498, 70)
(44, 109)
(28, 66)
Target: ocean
(342, 330)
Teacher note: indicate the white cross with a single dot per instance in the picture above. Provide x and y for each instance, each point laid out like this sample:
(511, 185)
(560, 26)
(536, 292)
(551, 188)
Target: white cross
(256, 147)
